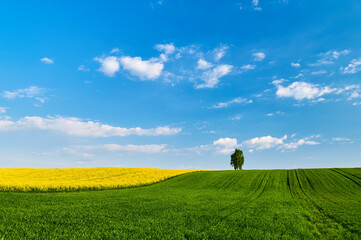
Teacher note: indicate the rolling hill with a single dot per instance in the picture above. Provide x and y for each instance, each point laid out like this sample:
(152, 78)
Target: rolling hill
(251, 204)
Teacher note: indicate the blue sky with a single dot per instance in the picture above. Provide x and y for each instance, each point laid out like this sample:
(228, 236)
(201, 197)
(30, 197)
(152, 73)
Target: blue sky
(180, 84)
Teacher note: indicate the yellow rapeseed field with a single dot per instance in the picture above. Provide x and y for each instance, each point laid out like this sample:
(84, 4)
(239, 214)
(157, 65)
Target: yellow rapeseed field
(69, 179)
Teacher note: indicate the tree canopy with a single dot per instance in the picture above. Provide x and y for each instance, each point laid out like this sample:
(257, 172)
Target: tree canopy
(237, 159)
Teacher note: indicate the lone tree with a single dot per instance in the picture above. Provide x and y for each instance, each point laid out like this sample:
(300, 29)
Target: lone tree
(237, 159)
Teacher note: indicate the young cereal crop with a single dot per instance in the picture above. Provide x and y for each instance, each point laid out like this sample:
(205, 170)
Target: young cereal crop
(70, 179)
(251, 204)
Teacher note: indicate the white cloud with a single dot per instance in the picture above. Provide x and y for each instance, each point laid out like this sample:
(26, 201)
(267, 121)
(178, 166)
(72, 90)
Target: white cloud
(353, 91)
(83, 68)
(298, 76)
(265, 142)
(301, 90)
(171, 77)
(278, 81)
(47, 60)
(295, 145)
(354, 94)
(329, 57)
(236, 117)
(114, 50)
(78, 127)
(31, 92)
(235, 100)
(255, 5)
(248, 67)
(187, 50)
(268, 142)
(318, 72)
(3, 110)
(151, 148)
(340, 139)
(318, 100)
(212, 76)
(203, 64)
(353, 67)
(295, 64)
(225, 145)
(244, 68)
(109, 65)
(336, 54)
(274, 113)
(144, 69)
(166, 48)
(219, 52)
(259, 56)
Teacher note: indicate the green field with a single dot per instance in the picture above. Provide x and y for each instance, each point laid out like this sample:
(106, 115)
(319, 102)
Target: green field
(251, 204)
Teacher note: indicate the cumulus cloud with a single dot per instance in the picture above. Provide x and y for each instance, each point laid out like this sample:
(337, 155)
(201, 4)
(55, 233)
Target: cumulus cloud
(47, 60)
(31, 92)
(265, 142)
(78, 127)
(295, 64)
(212, 76)
(259, 56)
(353, 67)
(166, 48)
(203, 64)
(233, 101)
(313, 92)
(268, 142)
(144, 69)
(225, 145)
(109, 65)
(301, 90)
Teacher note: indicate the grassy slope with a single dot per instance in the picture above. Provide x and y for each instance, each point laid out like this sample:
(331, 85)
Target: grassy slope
(257, 204)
